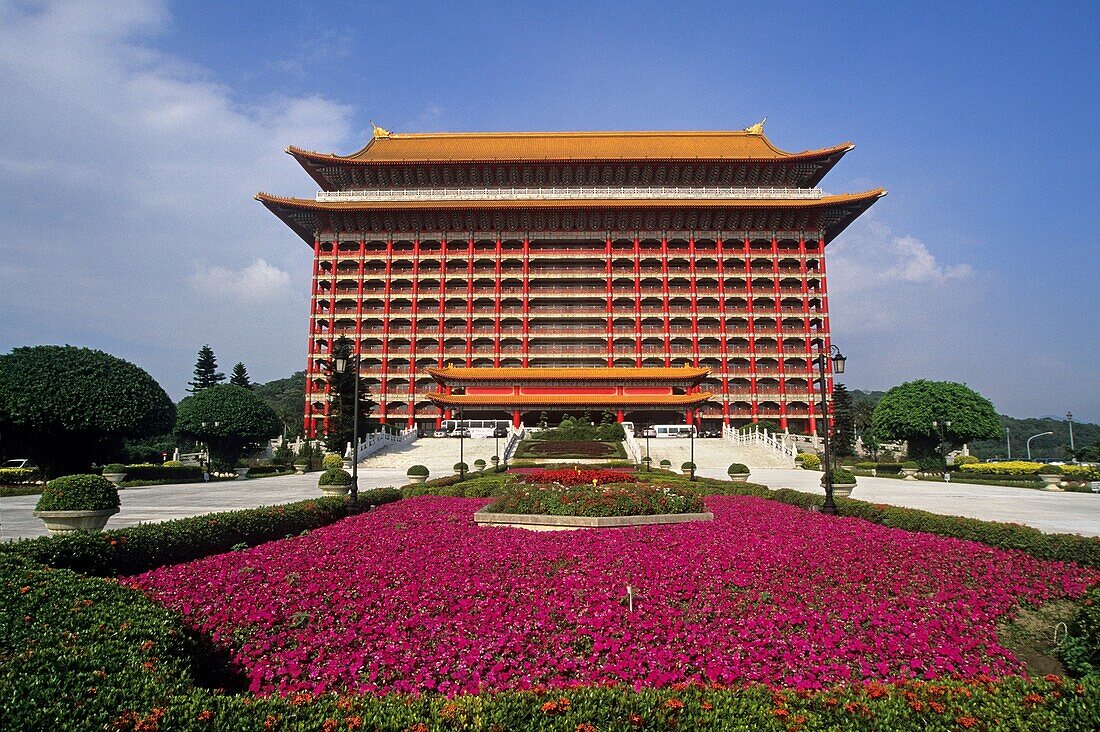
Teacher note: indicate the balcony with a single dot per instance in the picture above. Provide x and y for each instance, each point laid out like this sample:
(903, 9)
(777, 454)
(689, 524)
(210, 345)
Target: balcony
(570, 193)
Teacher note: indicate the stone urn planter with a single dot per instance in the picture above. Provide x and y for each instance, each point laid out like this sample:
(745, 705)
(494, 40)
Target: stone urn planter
(242, 473)
(66, 522)
(115, 472)
(418, 478)
(300, 468)
(1052, 483)
(335, 482)
(738, 472)
(115, 478)
(909, 473)
(335, 491)
(842, 490)
(347, 463)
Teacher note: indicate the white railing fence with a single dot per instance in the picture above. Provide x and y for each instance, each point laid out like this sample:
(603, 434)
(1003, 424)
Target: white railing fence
(571, 192)
(514, 438)
(776, 443)
(376, 441)
(633, 449)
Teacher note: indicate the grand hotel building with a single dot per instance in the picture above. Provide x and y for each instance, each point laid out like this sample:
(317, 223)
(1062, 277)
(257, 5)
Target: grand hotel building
(663, 276)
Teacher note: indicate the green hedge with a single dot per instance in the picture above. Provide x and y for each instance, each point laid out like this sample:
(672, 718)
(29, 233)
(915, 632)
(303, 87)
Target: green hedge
(18, 475)
(78, 493)
(177, 474)
(139, 548)
(1080, 651)
(258, 471)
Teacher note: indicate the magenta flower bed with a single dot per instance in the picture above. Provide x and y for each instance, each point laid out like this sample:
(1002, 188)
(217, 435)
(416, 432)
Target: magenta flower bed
(414, 597)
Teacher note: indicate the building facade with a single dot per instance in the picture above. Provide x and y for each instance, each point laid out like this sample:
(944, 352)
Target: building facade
(606, 250)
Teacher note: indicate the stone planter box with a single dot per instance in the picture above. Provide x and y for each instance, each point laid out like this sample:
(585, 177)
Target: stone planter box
(687, 473)
(242, 473)
(537, 522)
(417, 478)
(909, 473)
(116, 479)
(300, 468)
(1052, 483)
(739, 477)
(335, 491)
(66, 522)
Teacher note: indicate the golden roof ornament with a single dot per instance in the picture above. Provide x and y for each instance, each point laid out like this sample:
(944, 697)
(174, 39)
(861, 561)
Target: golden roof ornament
(756, 129)
(380, 131)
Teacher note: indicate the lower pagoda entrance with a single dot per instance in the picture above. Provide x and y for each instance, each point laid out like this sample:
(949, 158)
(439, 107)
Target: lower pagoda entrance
(523, 395)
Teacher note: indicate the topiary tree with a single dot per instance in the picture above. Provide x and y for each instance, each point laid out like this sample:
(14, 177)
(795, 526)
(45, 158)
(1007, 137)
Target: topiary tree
(844, 434)
(66, 407)
(907, 412)
(230, 419)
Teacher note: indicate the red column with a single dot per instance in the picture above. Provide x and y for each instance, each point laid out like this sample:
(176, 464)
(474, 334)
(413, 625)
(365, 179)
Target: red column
(334, 260)
(694, 301)
(308, 427)
(722, 345)
(496, 307)
(383, 382)
(637, 300)
(664, 291)
(526, 297)
(515, 418)
(442, 312)
(778, 298)
(413, 331)
(751, 319)
(826, 331)
(470, 301)
(610, 306)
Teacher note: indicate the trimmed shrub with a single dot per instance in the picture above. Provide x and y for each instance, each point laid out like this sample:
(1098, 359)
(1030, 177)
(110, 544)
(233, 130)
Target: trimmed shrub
(166, 472)
(966, 460)
(18, 475)
(737, 469)
(335, 476)
(841, 476)
(609, 499)
(256, 471)
(1049, 470)
(479, 464)
(78, 493)
(172, 464)
(808, 460)
(417, 471)
(332, 460)
(910, 465)
(138, 548)
(665, 463)
(114, 468)
(461, 467)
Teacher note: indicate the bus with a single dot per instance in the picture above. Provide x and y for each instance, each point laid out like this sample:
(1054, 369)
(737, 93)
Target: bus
(674, 430)
(475, 427)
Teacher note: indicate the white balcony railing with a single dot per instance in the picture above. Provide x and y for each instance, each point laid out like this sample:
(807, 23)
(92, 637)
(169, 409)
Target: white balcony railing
(571, 193)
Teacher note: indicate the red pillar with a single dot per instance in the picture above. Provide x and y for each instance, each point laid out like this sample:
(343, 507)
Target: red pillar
(308, 427)
(610, 308)
(515, 418)
(637, 300)
(664, 292)
(470, 301)
(526, 298)
(496, 306)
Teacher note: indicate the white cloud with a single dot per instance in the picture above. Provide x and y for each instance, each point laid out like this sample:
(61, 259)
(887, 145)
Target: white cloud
(257, 282)
(123, 169)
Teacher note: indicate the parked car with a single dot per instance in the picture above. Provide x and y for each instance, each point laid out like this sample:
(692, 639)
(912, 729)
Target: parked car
(461, 432)
(439, 433)
(20, 463)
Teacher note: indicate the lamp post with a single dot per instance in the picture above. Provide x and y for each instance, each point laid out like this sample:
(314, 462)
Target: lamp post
(838, 360)
(648, 460)
(942, 426)
(1032, 438)
(1008, 441)
(499, 432)
(461, 446)
(692, 458)
(340, 365)
(1072, 449)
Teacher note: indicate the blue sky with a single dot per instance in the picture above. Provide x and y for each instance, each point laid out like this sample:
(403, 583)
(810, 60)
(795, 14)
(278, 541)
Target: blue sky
(135, 135)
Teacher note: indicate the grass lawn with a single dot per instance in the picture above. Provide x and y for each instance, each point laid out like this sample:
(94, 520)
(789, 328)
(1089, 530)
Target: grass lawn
(570, 450)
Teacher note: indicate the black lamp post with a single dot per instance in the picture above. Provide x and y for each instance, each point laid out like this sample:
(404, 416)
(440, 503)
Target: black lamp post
(691, 459)
(838, 360)
(499, 432)
(340, 365)
(648, 461)
(461, 446)
(942, 426)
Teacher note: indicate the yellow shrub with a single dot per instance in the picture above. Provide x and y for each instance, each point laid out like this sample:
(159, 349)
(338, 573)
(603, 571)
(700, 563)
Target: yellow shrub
(1014, 467)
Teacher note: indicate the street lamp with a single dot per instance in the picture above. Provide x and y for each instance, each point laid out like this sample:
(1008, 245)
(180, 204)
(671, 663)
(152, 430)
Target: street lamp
(942, 427)
(461, 446)
(1072, 450)
(692, 458)
(499, 432)
(648, 462)
(340, 365)
(838, 360)
(1008, 441)
(1032, 438)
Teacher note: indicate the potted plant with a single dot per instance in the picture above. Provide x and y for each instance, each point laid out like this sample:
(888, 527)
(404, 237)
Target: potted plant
(479, 465)
(843, 482)
(646, 462)
(738, 472)
(77, 503)
(688, 469)
(332, 461)
(665, 464)
(115, 472)
(300, 467)
(1051, 476)
(417, 473)
(495, 460)
(241, 469)
(335, 482)
(909, 470)
(461, 468)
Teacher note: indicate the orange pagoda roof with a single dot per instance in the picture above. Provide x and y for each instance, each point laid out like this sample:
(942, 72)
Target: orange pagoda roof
(688, 374)
(570, 400)
(468, 147)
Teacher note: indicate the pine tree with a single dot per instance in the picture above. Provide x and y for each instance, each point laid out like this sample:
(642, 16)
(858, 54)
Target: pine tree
(240, 376)
(206, 371)
(844, 436)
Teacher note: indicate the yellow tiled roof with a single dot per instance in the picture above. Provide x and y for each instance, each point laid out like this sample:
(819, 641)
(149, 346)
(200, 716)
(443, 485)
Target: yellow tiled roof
(444, 147)
(650, 373)
(570, 400)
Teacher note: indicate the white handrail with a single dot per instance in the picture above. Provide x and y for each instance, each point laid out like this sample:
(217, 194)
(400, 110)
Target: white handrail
(571, 193)
(514, 438)
(776, 443)
(632, 446)
(376, 441)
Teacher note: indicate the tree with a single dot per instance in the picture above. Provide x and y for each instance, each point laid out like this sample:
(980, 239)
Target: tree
(66, 406)
(287, 398)
(230, 419)
(907, 412)
(341, 413)
(206, 371)
(844, 435)
(239, 377)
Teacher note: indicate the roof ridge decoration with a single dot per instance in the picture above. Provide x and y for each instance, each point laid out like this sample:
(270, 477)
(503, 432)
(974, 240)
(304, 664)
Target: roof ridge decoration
(379, 132)
(756, 129)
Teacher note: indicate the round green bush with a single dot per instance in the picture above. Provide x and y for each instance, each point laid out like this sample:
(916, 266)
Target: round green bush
(910, 465)
(687, 465)
(966, 460)
(479, 464)
(841, 476)
(1050, 470)
(114, 468)
(666, 463)
(332, 460)
(809, 461)
(335, 476)
(737, 469)
(461, 467)
(417, 471)
(78, 493)
(173, 464)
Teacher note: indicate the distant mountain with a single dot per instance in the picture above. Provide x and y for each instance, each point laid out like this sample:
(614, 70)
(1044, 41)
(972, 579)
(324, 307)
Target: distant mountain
(1054, 446)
